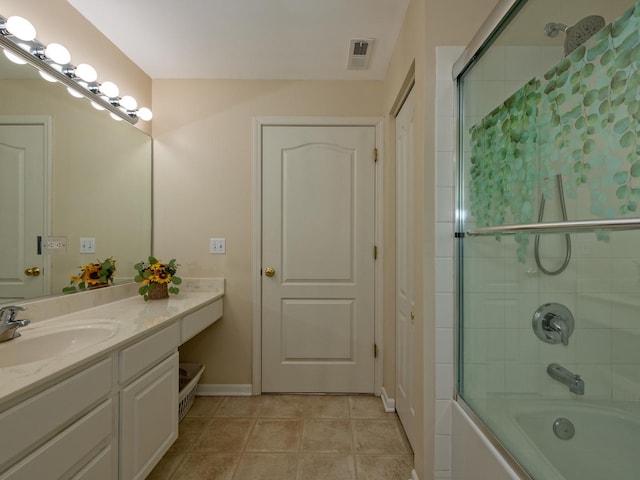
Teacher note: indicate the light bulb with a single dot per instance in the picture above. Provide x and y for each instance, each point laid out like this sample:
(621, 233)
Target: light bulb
(47, 77)
(96, 106)
(21, 28)
(58, 53)
(110, 89)
(128, 102)
(86, 72)
(115, 117)
(14, 58)
(145, 114)
(74, 93)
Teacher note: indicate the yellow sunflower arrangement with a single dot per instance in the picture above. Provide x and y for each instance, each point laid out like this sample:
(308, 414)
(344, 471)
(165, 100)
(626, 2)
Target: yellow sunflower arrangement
(93, 275)
(155, 278)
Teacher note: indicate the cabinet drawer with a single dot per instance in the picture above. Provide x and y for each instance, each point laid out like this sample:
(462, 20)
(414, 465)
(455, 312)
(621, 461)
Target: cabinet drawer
(40, 416)
(61, 453)
(139, 357)
(99, 468)
(148, 419)
(195, 322)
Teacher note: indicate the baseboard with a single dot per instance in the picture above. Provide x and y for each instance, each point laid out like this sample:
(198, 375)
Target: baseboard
(414, 475)
(224, 390)
(389, 403)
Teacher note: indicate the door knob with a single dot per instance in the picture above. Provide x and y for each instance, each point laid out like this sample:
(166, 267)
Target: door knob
(413, 315)
(269, 272)
(32, 272)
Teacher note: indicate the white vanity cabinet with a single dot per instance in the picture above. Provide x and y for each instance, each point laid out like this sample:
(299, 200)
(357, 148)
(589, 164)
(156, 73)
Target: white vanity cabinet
(56, 432)
(111, 416)
(149, 403)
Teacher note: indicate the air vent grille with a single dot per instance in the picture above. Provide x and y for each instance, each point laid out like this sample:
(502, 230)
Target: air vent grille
(360, 53)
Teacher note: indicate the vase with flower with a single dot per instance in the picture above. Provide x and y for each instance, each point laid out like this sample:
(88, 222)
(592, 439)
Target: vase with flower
(93, 275)
(158, 279)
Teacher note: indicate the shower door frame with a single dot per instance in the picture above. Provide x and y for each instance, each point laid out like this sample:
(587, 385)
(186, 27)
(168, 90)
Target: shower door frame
(492, 26)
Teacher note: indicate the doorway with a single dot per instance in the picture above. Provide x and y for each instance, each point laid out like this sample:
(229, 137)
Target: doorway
(317, 304)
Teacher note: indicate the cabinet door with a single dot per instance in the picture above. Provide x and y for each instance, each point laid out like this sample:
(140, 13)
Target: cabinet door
(148, 419)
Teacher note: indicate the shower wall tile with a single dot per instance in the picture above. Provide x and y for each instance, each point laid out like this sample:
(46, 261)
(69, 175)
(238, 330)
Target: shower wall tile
(484, 311)
(444, 275)
(494, 65)
(445, 135)
(588, 246)
(625, 381)
(598, 380)
(444, 381)
(627, 275)
(564, 283)
(595, 310)
(559, 353)
(523, 63)
(444, 341)
(445, 204)
(445, 169)
(624, 311)
(593, 346)
(624, 345)
(445, 100)
(444, 310)
(594, 275)
(442, 457)
(522, 379)
(443, 417)
(522, 346)
(444, 239)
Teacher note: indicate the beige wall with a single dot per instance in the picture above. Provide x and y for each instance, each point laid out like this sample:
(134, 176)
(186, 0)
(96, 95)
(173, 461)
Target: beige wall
(58, 21)
(203, 181)
(428, 24)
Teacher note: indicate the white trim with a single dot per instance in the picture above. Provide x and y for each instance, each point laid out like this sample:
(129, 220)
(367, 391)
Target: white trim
(388, 402)
(258, 123)
(223, 390)
(414, 475)
(45, 121)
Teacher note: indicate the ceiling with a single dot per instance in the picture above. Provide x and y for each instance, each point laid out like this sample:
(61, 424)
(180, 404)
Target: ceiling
(249, 39)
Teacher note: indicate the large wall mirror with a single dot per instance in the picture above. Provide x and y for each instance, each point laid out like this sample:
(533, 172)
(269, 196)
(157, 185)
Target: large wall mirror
(66, 170)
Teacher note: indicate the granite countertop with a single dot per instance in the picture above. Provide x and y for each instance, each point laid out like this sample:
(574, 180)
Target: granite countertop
(131, 317)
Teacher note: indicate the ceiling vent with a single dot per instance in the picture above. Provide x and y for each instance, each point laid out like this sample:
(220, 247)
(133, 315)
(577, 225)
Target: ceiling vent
(360, 51)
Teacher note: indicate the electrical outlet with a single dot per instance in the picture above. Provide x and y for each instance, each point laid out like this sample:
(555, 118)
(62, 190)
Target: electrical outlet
(54, 245)
(87, 245)
(217, 245)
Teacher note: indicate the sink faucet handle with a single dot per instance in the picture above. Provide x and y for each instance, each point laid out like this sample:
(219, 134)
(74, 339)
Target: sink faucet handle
(10, 312)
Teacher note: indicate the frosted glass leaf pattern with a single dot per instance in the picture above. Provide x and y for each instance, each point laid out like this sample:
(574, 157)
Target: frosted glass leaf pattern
(581, 120)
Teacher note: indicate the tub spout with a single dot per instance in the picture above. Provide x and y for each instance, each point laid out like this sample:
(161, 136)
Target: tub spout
(571, 380)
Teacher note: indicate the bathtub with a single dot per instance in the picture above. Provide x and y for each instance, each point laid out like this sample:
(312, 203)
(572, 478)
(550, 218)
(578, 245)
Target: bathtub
(605, 445)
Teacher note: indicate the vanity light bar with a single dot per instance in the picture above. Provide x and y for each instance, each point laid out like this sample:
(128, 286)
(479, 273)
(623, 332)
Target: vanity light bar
(33, 53)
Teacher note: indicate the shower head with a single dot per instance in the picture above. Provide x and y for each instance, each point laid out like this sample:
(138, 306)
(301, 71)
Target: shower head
(578, 33)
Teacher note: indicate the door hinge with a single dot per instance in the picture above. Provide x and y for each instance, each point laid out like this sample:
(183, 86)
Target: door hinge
(375, 154)
(375, 350)
(375, 252)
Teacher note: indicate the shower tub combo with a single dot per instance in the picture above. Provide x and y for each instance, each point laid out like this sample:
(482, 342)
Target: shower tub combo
(548, 289)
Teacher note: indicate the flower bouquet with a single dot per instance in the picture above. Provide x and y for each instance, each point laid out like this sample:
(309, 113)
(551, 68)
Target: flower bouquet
(93, 275)
(155, 278)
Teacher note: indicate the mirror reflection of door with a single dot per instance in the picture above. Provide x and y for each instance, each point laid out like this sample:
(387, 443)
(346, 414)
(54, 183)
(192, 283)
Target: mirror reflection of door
(23, 190)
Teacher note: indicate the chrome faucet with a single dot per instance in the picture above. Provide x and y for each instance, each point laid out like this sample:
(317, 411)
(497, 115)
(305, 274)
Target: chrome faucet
(571, 380)
(554, 323)
(8, 323)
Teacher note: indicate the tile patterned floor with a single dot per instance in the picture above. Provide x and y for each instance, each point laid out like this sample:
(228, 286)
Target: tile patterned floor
(288, 437)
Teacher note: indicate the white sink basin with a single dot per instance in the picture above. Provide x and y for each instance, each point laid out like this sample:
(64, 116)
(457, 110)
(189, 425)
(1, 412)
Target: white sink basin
(39, 343)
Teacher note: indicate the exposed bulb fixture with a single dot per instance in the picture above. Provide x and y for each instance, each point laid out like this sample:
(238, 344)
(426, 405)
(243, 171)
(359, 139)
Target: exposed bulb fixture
(47, 77)
(86, 72)
(57, 53)
(109, 89)
(145, 114)
(14, 58)
(53, 61)
(21, 28)
(129, 103)
(74, 93)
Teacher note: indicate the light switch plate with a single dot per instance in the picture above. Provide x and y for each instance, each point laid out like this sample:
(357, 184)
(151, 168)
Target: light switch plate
(217, 245)
(87, 245)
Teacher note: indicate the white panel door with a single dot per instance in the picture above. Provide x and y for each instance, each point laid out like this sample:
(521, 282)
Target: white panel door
(318, 237)
(22, 209)
(405, 299)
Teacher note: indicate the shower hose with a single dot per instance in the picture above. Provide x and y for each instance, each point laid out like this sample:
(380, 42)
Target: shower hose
(567, 237)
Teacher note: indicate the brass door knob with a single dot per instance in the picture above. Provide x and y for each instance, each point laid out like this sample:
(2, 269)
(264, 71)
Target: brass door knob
(269, 272)
(32, 272)
(413, 315)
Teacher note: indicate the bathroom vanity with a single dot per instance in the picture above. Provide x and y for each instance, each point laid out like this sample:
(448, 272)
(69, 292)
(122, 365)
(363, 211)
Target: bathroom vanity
(95, 396)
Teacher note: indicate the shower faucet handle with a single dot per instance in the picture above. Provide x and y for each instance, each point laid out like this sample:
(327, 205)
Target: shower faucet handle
(553, 323)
